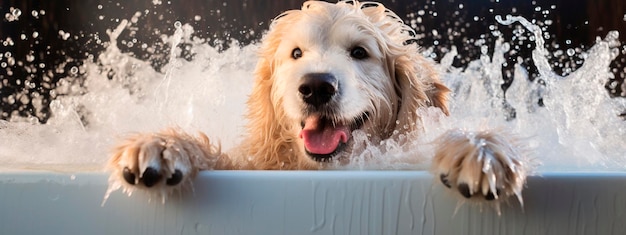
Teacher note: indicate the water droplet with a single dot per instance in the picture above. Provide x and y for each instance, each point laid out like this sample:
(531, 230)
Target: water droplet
(16, 12)
(484, 49)
(35, 13)
(571, 52)
(64, 35)
(178, 25)
(74, 70)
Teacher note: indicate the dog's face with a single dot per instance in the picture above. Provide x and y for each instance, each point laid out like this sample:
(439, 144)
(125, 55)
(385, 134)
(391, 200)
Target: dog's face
(332, 72)
(332, 78)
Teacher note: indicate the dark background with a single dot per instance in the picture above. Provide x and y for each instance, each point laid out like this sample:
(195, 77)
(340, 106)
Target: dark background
(34, 65)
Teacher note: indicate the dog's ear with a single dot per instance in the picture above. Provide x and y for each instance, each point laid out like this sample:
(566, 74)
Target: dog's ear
(266, 132)
(261, 113)
(417, 85)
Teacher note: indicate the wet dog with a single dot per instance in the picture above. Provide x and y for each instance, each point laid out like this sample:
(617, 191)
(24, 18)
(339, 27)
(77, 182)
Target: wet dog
(325, 71)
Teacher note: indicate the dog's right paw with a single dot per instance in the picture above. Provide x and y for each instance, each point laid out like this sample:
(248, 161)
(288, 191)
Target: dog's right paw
(484, 165)
(160, 162)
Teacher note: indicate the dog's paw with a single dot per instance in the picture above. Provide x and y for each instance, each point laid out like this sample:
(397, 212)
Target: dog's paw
(159, 162)
(483, 165)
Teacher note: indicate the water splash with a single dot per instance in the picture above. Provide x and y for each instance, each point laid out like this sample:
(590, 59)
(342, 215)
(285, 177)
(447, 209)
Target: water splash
(122, 94)
(576, 128)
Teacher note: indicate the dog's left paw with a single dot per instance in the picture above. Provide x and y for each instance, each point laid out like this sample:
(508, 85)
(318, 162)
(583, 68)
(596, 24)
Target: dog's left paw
(484, 165)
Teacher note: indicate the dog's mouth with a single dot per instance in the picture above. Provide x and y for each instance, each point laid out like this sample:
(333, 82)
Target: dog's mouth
(325, 137)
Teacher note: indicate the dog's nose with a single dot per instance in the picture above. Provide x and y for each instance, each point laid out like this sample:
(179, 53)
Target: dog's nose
(318, 88)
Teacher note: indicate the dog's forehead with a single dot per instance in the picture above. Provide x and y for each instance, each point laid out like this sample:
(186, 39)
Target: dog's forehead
(340, 28)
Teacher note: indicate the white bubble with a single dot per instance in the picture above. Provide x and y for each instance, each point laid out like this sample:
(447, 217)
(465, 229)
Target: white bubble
(571, 52)
(178, 25)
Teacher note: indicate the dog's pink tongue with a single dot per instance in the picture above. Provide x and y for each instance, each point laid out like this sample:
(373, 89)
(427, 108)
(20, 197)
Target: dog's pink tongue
(322, 139)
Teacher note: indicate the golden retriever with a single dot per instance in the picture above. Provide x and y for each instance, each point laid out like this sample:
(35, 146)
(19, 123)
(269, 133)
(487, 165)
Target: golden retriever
(325, 71)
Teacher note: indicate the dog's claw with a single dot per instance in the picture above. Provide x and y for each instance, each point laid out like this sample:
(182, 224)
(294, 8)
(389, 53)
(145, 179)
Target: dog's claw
(176, 178)
(128, 176)
(150, 177)
(444, 180)
(464, 190)
(490, 196)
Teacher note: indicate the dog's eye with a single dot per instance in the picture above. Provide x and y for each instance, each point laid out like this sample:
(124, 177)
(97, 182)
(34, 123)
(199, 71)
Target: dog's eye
(296, 53)
(358, 53)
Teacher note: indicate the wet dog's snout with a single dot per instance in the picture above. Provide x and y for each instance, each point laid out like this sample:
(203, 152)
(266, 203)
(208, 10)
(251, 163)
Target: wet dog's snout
(318, 89)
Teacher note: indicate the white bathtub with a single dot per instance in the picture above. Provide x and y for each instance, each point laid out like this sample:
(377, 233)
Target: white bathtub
(327, 202)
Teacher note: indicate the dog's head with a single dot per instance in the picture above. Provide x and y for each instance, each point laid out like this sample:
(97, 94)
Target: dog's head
(329, 69)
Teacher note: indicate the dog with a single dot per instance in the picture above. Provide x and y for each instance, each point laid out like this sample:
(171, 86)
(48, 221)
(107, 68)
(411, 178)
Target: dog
(324, 72)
